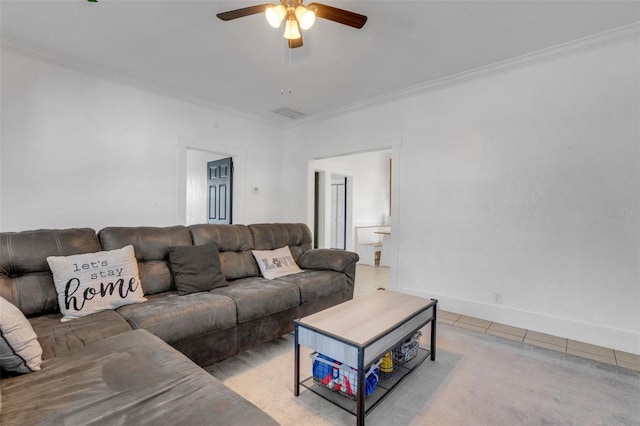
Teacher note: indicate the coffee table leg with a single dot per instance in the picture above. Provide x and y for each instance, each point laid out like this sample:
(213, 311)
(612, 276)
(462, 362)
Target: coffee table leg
(296, 369)
(360, 395)
(433, 331)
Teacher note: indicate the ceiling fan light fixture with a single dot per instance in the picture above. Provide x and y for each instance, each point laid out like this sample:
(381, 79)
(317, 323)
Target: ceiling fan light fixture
(275, 15)
(298, 17)
(291, 29)
(306, 17)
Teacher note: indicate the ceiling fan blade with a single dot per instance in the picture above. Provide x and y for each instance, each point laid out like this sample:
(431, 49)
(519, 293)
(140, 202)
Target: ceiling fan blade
(295, 43)
(245, 11)
(340, 16)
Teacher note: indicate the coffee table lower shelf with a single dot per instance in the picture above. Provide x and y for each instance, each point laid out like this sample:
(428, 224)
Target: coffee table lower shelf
(386, 383)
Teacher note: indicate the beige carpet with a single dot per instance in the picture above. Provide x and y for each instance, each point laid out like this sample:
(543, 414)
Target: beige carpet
(477, 379)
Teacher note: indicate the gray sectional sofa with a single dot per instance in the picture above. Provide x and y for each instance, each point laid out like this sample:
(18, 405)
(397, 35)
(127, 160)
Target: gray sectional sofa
(140, 363)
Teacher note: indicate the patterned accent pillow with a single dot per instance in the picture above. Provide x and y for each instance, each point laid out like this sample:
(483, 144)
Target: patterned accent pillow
(276, 263)
(20, 351)
(94, 282)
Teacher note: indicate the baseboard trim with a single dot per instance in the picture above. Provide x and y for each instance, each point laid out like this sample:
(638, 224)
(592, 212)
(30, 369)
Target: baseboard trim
(608, 337)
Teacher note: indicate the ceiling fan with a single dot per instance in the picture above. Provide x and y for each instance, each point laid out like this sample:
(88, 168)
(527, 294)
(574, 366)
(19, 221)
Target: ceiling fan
(297, 17)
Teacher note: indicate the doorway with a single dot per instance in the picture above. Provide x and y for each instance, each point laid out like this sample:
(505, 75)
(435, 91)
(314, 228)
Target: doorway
(192, 156)
(373, 190)
(366, 200)
(196, 185)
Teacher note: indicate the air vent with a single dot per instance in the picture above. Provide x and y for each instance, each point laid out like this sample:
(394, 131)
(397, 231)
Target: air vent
(289, 113)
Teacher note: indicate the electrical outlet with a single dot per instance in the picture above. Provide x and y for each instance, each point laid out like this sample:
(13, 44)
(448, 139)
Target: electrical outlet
(497, 297)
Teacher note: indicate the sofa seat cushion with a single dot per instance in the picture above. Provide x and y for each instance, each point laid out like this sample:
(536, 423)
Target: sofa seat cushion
(316, 285)
(258, 297)
(174, 318)
(59, 338)
(130, 379)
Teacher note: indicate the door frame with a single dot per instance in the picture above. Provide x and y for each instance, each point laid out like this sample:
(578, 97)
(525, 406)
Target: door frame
(395, 144)
(345, 208)
(239, 157)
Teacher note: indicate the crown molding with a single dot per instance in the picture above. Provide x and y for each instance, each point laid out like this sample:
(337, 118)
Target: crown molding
(600, 40)
(571, 48)
(66, 61)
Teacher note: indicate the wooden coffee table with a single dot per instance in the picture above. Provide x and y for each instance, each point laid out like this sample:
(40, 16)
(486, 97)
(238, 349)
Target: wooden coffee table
(358, 333)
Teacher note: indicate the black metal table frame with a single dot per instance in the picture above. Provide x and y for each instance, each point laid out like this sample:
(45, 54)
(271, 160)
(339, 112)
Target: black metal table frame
(360, 394)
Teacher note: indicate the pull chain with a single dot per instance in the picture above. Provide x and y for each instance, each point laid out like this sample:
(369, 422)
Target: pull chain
(282, 65)
(290, 72)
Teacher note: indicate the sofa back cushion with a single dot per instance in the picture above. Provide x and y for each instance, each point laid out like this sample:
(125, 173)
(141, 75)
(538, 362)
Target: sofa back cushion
(270, 236)
(151, 246)
(235, 243)
(25, 277)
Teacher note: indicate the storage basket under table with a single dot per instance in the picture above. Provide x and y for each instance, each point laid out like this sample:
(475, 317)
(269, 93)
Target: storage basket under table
(407, 350)
(400, 355)
(342, 378)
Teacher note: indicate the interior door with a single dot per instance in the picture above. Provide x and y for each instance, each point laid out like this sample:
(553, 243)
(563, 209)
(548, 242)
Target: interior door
(220, 184)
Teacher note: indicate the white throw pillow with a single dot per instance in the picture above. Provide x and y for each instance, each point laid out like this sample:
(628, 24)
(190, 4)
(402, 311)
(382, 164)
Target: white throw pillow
(94, 282)
(20, 351)
(276, 263)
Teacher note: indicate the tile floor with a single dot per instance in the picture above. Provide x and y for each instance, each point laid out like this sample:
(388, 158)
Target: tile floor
(371, 278)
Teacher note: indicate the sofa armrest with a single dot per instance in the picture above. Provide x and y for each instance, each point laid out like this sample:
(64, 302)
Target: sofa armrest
(328, 259)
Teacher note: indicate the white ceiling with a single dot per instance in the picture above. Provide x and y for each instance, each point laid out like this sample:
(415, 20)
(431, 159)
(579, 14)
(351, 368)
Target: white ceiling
(180, 46)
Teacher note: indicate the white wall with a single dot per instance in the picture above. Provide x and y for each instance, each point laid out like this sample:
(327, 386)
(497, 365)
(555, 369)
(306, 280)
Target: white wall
(78, 150)
(524, 182)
